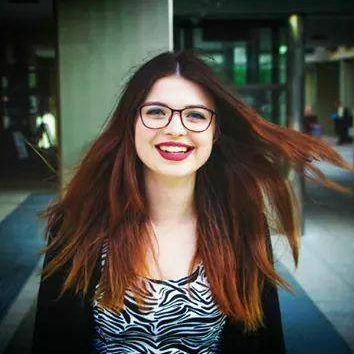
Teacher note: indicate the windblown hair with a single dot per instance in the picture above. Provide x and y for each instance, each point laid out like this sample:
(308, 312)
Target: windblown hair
(244, 183)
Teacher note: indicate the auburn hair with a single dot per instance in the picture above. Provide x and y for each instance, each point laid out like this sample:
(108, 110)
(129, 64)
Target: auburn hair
(244, 183)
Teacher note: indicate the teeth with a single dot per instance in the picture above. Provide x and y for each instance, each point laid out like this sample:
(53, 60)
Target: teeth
(173, 148)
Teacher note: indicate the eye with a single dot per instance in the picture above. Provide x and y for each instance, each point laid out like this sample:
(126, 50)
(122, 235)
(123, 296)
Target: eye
(196, 115)
(155, 111)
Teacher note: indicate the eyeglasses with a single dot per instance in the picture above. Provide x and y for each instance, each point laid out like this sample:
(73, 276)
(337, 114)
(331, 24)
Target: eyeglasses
(158, 115)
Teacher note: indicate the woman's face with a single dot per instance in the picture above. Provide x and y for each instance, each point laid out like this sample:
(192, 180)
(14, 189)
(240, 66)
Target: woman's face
(176, 93)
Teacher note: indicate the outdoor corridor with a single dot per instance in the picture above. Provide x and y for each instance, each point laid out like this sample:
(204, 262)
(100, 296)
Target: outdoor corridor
(319, 318)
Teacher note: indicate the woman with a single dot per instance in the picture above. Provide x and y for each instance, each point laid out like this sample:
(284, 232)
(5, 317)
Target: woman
(160, 243)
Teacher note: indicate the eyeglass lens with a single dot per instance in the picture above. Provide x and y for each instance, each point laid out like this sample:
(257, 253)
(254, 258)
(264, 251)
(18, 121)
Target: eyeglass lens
(194, 118)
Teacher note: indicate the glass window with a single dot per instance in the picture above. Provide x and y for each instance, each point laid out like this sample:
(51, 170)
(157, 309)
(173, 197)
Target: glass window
(265, 68)
(247, 63)
(265, 57)
(217, 62)
(240, 64)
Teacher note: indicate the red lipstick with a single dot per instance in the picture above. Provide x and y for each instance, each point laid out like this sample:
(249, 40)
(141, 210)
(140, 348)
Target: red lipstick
(174, 156)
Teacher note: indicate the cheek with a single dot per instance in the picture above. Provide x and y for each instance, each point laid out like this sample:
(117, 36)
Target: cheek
(139, 139)
(143, 138)
(205, 147)
(140, 134)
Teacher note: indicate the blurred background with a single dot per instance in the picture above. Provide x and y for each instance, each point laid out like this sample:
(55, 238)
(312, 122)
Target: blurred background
(62, 68)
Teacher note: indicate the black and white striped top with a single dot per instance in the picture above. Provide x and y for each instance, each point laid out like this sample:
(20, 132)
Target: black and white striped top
(176, 321)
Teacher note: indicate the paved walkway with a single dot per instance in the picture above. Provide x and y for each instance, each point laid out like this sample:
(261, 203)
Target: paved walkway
(324, 280)
(326, 267)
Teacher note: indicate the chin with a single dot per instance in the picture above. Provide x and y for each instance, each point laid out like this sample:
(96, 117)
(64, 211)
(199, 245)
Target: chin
(177, 174)
(173, 173)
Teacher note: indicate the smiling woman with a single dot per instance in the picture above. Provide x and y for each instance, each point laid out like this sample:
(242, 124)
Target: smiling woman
(161, 131)
(160, 242)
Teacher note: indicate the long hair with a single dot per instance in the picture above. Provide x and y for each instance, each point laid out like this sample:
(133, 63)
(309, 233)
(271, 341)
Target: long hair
(244, 182)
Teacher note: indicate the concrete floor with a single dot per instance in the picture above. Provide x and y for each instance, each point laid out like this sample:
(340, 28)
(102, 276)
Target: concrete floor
(326, 266)
(325, 271)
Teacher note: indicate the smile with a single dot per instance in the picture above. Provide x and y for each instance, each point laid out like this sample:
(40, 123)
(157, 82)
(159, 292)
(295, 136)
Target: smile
(174, 153)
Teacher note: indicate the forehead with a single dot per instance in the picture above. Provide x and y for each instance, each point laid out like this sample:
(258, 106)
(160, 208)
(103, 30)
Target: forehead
(178, 92)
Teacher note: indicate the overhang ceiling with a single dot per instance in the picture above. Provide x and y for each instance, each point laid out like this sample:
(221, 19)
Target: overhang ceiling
(328, 23)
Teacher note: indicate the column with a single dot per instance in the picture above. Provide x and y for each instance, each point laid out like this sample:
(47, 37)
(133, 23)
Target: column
(99, 42)
(296, 64)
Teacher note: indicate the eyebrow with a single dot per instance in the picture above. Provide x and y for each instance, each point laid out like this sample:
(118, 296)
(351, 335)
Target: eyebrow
(187, 106)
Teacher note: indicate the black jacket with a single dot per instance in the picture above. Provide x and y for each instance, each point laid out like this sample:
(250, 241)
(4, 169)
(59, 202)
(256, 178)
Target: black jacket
(65, 325)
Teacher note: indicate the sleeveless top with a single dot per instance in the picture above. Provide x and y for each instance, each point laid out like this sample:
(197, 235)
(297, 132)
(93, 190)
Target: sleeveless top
(173, 321)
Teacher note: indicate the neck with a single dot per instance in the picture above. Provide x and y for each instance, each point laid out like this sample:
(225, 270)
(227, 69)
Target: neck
(171, 200)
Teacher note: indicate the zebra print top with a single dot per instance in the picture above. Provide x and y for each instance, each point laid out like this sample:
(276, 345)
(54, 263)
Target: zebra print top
(173, 320)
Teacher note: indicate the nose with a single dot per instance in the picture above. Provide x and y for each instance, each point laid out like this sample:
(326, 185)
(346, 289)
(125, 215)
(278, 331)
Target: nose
(175, 127)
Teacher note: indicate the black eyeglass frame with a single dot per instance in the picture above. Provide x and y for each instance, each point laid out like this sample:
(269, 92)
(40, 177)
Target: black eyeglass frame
(213, 114)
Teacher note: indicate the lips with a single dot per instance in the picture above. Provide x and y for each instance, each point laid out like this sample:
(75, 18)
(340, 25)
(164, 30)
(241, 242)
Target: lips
(175, 156)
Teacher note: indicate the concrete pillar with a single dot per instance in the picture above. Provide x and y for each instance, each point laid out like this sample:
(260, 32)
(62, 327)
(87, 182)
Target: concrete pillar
(327, 76)
(99, 45)
(296, 66)
(346, 90)
(346, 85)
(310, 86)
